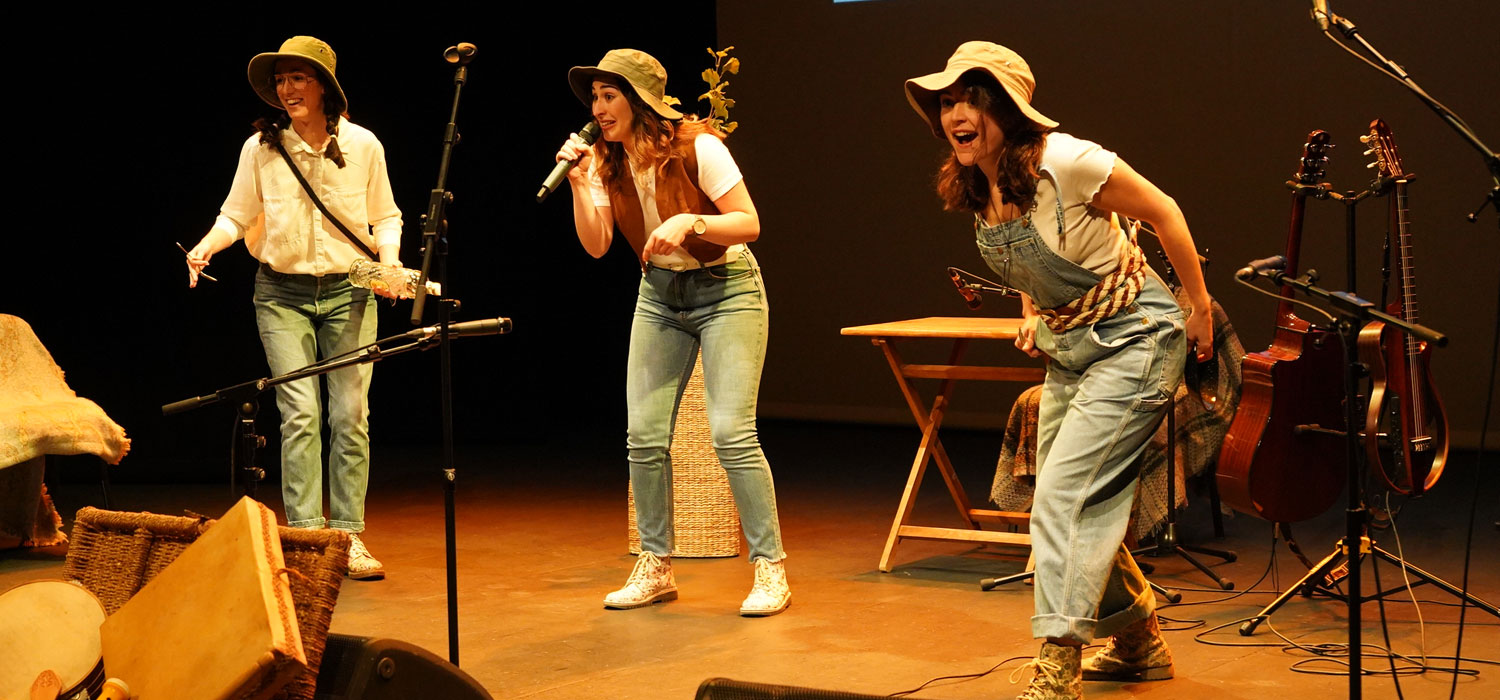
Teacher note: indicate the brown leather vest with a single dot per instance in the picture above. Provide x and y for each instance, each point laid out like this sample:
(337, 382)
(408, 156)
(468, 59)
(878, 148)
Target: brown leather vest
(676, 192)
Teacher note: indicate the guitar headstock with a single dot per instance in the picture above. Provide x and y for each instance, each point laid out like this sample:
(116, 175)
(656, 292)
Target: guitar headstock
(1382, 145)
(1314, 157)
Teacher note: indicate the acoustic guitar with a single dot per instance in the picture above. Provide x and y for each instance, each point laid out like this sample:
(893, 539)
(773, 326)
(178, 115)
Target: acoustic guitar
(1283, 457)
(1406, 428)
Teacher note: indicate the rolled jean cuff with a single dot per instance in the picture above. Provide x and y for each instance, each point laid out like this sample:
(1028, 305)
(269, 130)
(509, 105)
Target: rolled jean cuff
(314, 524)
(347, 526)
(1053, 626)
(1110, 625)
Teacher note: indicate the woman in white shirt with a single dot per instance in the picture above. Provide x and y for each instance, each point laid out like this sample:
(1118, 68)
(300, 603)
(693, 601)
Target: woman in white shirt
(677, 197)
(305, 306)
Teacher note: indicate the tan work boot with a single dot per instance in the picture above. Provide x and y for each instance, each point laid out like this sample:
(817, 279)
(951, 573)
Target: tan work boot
(650, 581)
(1057, 674)
(1136, 653)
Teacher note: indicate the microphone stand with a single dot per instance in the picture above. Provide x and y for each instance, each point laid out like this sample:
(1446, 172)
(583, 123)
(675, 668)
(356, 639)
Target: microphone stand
(246, 397)
(1393, 69)
(1352, 314)
(435, 244)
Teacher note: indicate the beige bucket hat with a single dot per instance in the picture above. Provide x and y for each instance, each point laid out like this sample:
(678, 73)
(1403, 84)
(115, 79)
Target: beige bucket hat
(316, 52)
(1007, 67)
(637, 68)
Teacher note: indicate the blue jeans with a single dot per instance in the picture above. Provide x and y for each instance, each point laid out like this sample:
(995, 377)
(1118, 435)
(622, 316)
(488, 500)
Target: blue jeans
(303, 318)
(723, 311)
(1108, 387)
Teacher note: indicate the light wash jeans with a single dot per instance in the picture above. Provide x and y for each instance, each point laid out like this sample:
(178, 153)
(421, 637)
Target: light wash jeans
(1108, 386)
(723, 310)
(303, 318)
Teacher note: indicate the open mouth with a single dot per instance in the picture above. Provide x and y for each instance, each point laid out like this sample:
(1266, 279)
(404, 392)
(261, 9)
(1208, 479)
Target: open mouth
(965, 138)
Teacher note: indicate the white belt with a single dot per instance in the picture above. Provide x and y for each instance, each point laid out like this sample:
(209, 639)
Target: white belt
(664, 263)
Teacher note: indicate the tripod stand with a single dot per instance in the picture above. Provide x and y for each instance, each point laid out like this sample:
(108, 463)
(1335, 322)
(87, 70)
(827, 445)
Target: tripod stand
(1352, 314)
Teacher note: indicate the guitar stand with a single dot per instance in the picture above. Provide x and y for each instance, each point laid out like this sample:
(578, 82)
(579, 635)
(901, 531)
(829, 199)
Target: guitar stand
(1353, 313)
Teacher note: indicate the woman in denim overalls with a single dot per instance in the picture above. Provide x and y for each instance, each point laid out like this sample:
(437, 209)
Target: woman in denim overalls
(1113, 334)
(677, 197)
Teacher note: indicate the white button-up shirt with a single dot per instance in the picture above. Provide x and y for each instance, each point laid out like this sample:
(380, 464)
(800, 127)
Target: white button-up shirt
(298, 239)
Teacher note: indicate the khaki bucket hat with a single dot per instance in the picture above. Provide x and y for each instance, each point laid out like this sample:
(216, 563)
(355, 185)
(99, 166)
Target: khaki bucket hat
(637, 68)
(316, 52)
(1007, 67)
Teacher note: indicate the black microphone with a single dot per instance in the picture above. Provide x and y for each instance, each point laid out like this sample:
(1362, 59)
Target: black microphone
(1259, 267)
(463, 53)
(970, 296)
(486, 326)
(589, 133)
(1320, 14)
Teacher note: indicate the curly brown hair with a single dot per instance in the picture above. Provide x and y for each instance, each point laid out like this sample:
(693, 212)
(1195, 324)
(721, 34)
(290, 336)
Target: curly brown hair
(654, 138)
(965, 188)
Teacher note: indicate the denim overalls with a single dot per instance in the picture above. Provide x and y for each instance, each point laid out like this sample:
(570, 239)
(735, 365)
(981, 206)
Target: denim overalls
(1108, 386)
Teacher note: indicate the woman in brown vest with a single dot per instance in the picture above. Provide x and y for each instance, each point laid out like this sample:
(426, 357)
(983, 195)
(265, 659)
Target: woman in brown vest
(677, 197)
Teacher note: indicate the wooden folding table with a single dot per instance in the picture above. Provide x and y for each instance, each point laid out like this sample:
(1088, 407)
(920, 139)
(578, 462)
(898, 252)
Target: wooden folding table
(930, 419)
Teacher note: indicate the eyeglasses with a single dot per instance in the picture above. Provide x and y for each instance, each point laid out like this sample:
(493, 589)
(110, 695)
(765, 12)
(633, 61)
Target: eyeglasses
(297, 80)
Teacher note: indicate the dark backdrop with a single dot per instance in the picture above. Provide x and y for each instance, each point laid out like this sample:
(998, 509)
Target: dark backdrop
(129, 133)
(140, 150)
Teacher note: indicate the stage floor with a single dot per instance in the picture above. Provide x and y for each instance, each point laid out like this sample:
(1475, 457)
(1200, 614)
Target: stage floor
(541, 538)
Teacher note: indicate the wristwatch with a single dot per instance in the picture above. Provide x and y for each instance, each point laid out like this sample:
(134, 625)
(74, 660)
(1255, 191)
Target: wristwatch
(700, 226)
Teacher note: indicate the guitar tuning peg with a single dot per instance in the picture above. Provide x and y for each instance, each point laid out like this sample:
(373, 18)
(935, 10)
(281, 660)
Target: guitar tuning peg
(1368, 151)
(1364, 138)
(1371, 165)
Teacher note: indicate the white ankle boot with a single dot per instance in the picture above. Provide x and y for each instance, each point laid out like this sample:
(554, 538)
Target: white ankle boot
(771, 594)
(651, 581)
(363, 566)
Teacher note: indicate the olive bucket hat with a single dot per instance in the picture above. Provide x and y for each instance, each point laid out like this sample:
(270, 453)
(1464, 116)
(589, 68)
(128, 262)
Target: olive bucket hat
(1005, 65)
(619, 66)
(315, 52)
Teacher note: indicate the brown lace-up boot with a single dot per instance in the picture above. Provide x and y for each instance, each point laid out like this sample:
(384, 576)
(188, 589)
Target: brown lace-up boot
(1136, 653)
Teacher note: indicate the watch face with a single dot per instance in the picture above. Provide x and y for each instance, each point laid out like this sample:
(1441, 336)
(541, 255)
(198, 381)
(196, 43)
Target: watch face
(699, 226)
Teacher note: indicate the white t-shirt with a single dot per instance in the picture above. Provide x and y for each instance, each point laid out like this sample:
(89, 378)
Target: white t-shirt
(717, 175)
(1090, 238)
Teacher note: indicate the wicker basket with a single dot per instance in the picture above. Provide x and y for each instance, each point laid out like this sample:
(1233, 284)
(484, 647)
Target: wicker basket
(705, 521)
(114, 554)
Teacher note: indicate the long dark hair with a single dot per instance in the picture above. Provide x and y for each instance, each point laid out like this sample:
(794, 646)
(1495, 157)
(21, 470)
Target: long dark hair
(965, 188)
(270, 129)
(655, 138)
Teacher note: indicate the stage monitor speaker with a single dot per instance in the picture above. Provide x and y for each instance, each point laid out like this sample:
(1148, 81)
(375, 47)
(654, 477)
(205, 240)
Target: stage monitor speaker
(725, 689)
(365, 668)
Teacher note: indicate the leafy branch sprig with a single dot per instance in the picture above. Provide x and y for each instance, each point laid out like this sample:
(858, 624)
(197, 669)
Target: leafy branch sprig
(718, 103)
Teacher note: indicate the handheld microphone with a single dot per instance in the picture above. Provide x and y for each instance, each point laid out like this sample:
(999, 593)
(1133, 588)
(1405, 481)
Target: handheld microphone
(589, 133)
(486, 326)
(970, 296)
(1274, 263)
(463, 53)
